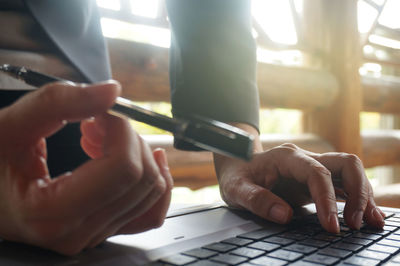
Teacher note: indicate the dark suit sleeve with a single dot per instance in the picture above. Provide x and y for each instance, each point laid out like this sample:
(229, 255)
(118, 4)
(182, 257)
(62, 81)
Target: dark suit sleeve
(213, 61)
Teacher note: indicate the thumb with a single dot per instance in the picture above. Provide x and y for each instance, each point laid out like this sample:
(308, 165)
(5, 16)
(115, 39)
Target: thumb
(264, 203)
(44, 111)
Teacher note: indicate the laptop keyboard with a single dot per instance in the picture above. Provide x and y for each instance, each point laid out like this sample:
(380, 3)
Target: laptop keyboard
(303, 242)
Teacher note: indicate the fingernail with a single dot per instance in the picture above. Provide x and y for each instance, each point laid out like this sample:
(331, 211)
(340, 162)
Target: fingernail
(278, 213)
(334, 222)
(377, 215)
(357, 219)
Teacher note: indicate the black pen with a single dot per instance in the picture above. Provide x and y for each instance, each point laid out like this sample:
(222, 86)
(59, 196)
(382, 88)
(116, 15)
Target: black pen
(204, 133)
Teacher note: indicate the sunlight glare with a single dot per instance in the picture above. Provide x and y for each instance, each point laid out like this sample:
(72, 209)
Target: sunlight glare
(380, 40)
(134, 32)
(145, 8)
(366, 15)
(390, 14)
(276, 20)
(109, 4)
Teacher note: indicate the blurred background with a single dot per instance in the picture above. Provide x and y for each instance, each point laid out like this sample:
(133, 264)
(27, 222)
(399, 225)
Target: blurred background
(327, 73)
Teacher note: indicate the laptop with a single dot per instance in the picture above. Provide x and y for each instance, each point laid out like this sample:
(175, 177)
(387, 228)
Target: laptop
(219, 235)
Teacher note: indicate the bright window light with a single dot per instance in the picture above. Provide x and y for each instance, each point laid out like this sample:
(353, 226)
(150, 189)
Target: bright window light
(145, 8)
(276, 20)
(109, 4)
(368, 49)
(378, 2)
(286, 57)
(366, 15)
(298, 5)
(380, 40)
(371, 69)
(390, 14)
(134, 32)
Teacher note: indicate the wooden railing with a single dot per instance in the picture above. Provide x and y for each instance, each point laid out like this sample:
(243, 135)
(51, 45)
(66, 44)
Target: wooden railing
(331, 94)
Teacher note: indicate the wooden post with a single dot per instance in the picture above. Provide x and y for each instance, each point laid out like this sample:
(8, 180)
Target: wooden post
(331, 27)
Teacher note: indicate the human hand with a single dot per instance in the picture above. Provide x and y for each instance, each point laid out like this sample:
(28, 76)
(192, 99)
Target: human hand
(287, 175)
(125, 188)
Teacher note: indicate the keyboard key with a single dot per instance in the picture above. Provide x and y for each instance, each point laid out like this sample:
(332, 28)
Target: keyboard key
(375, 231)
(285, 255)
(394, 237)
(322, 259)
(303, 263)
(301, 249)
(294, 236)
(314, 243)
(228, 259)
(178, 259)
(206, 263)
(396, 259)
(367, 236)
(373, 255)
(263, 233)
(220, 247)
(359, 241)
(268, 261)
(361, 261)
(389, 228)
(264, 246)
(347, 246)
(334, 252)
(393, 223)
(382, 248)
(200, 253)
(390, 214)
(327, 237)
(247, 252)
(388, 242)
(279, 240)
(237, 241)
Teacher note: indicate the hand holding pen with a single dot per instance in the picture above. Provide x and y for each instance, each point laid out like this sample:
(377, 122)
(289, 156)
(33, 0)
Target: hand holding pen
(125, 188)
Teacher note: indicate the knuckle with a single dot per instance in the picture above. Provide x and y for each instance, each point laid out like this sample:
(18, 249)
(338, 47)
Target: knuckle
(160, 186)
(352, 160)
(317, 169)
(49, 94)
(255, 199)
(289, 146)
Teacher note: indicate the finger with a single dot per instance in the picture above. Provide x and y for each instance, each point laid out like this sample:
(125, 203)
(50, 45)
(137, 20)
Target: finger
(93, 151)
(92, 132)
(259, 201)
(373, 215)
(43, 111)
(307, 170)
(355, 184)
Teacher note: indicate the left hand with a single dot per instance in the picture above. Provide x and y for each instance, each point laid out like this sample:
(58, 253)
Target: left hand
(286, 176)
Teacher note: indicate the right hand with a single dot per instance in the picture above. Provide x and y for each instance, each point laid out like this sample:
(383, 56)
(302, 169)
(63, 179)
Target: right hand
(125, 188)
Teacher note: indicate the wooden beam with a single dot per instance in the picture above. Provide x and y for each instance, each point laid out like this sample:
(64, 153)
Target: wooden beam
(381, 148)
(381, 94)
(141, 69)
(296, 88)
(332, 27)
